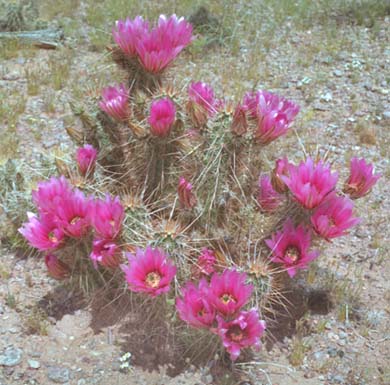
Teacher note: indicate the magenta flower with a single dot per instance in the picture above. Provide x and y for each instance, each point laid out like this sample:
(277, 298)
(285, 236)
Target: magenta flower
(50, 193)
(106, 217)
(281, 168)
(273, 113)
(240, 121)
(290, 247)
(241, 332)
(105, 252)
(42, 233)
(310, 183)
(56, 268)
(229, 292)
(186, 197)
(194, 308)
(162, 116)
(334, 217)
(149, 271)
(159, 47)
(361, 178)
(206, 262)
(116, 102)
(268, 198)
(72, 214)
(86, 159)
(202, 94)
(128, 32)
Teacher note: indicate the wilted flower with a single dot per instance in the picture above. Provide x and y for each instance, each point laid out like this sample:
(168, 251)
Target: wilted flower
(229, 292)
(241, 332)
(273, 113)
(268, 198)
(240, 122)
(202, 101)
(106, 217)
(86, 159)
(361, 178)
(310, 183)
(42, 233)
(186, 197)
(128, 32)
(162, 116)
(194, 308)
(159, 47)
(334, 217)
(206, 262)
(106, 252)
(56, 268)
(72, 214)
(50, 193)
(116, 102)
(149, 271)
(281, 168)
(290, 247)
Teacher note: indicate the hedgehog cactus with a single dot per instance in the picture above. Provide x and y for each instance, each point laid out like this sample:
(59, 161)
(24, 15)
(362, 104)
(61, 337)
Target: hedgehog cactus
(204, 236)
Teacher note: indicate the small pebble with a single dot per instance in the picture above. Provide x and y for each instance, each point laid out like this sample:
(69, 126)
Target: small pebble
(57, 374)
(11, 357)
(34, 364)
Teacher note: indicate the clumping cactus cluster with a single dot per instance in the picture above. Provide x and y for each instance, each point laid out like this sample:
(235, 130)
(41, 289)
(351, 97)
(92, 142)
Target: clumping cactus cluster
(170, 181)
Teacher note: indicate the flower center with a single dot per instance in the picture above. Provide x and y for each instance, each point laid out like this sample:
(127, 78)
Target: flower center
(226, 298)
(74, 220)
(153, 279)
(236, 334)
(292, 253)
(52, 237)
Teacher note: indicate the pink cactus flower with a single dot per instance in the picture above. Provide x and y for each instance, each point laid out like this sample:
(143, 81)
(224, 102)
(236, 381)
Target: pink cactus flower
(106, 253)
(106, 217)
(310, 182)
(229, 292)
(72, 214)
(86, 159)
(187, 198)
(268, 199)
(273, 113)
(240, 121)
(281, 168)
(50, 193)
(206, 262)
(42, 233)
(160, 46)
(149, 271)
(127, 33)
(241, 332)
(194, 308)
(115, 102)
(334, 217)
(162, 116)
(203, 95)
(290, 247)
(56, 268)
(361, 178)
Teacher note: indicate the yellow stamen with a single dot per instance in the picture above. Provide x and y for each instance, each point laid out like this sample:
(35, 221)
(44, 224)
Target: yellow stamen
(153, 280)
(293, 253)
(226, 298)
